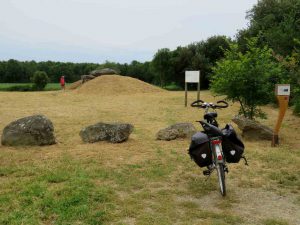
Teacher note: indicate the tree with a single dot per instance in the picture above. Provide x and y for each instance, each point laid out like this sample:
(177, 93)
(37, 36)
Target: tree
(40, 80)
(162, 65)
(206, 54)
(14, 71)
(276, 23)
(292, 64)
(248, 78)
(180, 61)
(214, 47)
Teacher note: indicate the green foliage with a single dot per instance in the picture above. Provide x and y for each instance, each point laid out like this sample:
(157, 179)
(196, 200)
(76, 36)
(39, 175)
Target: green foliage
(170, 66)
(15, 87)
(40, 80)
(13, 71)
(297, 106)
(292, 65)
(26, 87)
(247, 78)
(172, 87)
(162, 65)
(277, 23)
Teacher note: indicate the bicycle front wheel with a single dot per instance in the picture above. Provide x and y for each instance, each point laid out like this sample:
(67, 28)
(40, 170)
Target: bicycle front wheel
(221, 178)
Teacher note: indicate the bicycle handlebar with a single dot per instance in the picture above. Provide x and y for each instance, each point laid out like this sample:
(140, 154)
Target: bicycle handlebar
(205, 105)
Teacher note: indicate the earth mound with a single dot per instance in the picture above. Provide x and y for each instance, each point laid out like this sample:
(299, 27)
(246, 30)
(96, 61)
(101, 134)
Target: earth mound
(116, 85)
(74, 85)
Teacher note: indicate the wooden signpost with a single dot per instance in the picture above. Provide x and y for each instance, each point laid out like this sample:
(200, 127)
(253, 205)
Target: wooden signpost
(282, 91)
(192, 77)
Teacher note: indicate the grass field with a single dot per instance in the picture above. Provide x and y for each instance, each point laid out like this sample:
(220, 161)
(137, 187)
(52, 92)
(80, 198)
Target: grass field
(141, 181)
(49, 86)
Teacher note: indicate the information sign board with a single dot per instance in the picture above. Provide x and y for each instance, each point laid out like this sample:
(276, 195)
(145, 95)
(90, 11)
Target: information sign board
(192, 76)
(283, 89)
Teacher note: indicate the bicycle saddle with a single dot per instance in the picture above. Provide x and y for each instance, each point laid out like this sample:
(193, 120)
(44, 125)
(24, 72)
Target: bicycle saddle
(210, 115)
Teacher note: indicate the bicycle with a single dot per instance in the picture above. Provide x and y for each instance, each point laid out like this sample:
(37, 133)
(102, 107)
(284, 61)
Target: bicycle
(214, 138)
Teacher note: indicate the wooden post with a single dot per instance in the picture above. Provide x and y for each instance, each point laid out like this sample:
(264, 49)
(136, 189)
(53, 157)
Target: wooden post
(198, 88)
(282, 91)
(283, 105)
(185, 87)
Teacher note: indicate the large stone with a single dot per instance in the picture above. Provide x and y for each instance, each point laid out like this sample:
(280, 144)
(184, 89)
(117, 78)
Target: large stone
(112, 132)
(86, 78)
(178, 130)
(105, 71)
(32, 130)
(252, 129)
(167, 134)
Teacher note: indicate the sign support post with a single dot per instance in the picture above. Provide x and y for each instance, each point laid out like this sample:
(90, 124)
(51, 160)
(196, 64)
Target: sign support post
(185, 88)
(198, 88)
(282, 92)
(192, 77)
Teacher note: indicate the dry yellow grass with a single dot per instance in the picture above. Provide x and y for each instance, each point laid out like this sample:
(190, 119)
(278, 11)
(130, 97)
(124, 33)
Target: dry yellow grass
(176, 197)
(74, 85)
(116, 85)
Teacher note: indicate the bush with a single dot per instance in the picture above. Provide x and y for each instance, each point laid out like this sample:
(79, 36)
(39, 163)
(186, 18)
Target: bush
(297, 107)
(15, 87)
(40, 80)
(20, 87)
(173, 87)
(248, 78)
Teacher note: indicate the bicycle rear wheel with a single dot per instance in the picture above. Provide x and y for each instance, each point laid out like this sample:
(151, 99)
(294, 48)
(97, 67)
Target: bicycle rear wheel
(221, 178)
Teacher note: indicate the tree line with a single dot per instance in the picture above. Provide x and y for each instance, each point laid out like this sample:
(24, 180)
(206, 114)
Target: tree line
(166, 67)
(13, 71)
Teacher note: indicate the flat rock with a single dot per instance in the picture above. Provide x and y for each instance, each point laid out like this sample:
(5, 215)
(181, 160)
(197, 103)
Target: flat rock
(32, 130)
(253, 129)
(105, 71)
(112, 132)
(86, 78)
(178, 130)
(167, 134)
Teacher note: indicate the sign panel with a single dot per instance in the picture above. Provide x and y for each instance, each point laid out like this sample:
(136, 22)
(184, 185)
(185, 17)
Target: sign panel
(192, 76)
(283, 89)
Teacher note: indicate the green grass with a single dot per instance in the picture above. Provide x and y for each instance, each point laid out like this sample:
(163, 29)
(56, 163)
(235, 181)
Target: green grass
(65, 194)
(26, 86)
(72, 191)
(85, 192)
(274, 222)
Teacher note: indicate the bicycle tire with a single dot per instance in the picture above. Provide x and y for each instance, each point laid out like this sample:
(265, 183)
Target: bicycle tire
(221, 178)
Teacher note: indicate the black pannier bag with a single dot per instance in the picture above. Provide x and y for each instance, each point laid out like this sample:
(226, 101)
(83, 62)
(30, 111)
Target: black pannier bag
(233, 147)
(200, 149)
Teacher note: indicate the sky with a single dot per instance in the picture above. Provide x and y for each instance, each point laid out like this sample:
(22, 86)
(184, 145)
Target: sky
(113, 30)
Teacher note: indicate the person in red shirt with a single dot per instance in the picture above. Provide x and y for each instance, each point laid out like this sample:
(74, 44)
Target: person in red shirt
(62, 82)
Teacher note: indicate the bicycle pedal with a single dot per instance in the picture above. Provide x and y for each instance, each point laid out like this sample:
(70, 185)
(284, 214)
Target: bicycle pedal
(206, 172)
(226, 169)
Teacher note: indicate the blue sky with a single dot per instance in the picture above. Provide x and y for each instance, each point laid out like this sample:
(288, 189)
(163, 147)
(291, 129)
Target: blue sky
(114, 30)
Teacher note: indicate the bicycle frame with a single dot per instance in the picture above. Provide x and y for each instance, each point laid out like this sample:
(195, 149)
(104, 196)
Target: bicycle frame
(215, 142)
